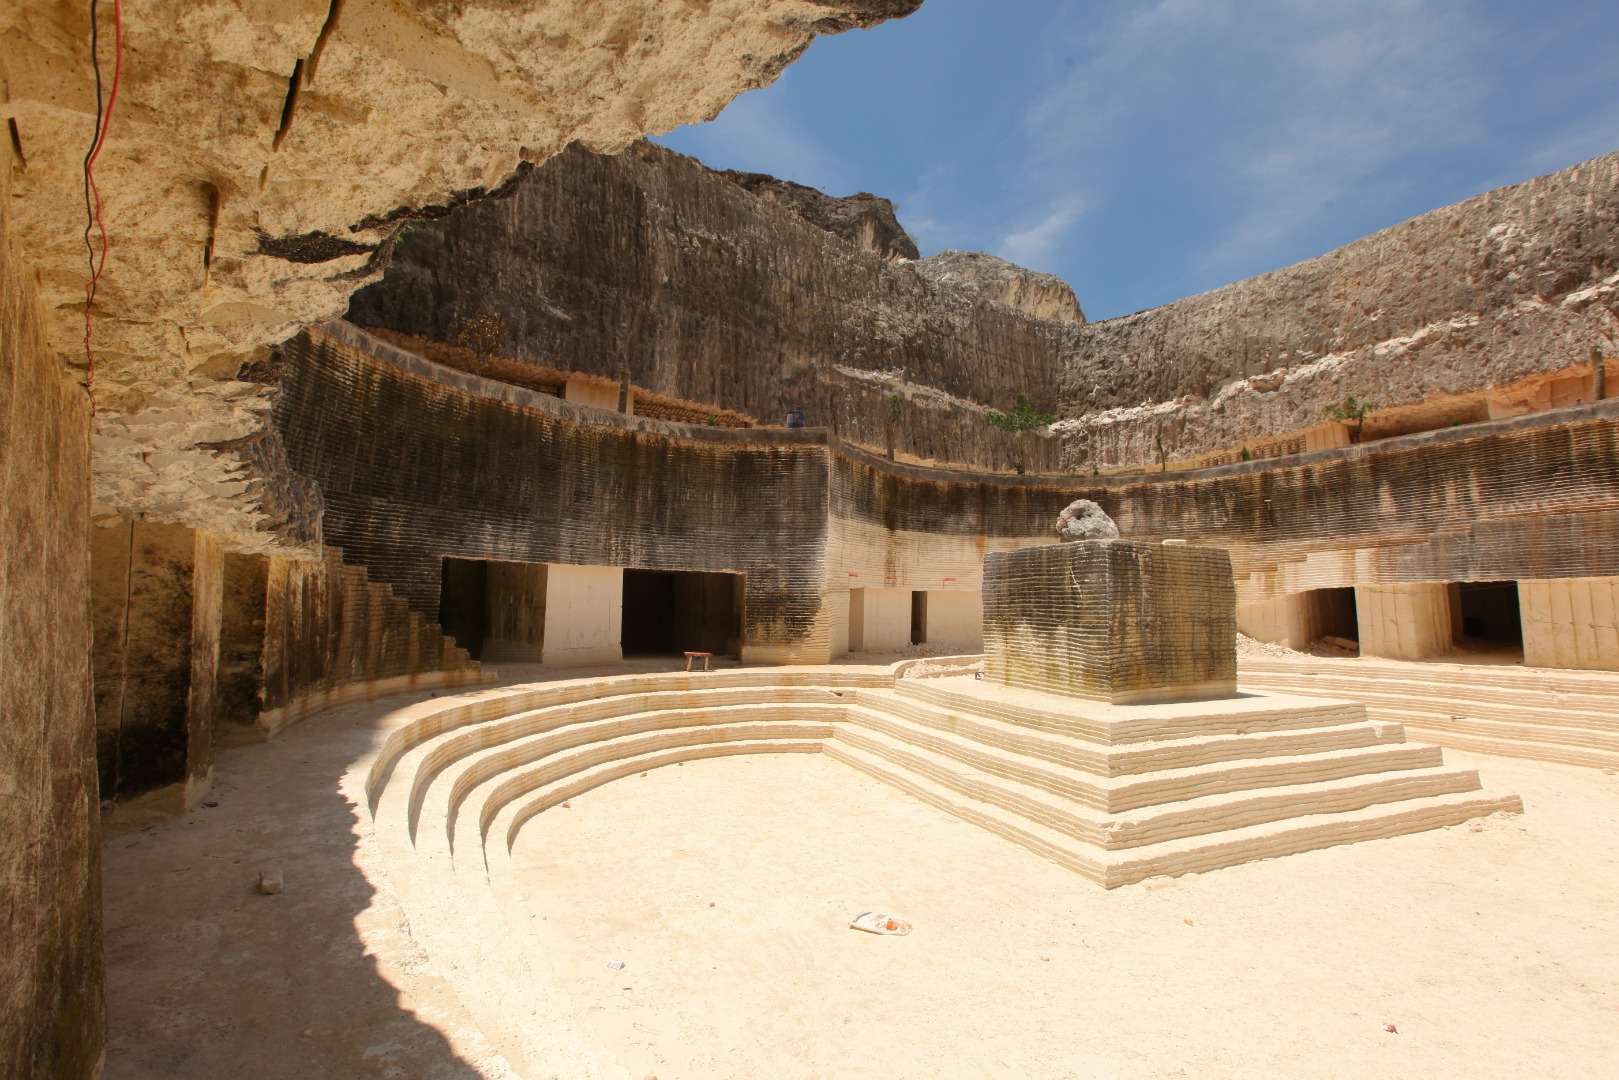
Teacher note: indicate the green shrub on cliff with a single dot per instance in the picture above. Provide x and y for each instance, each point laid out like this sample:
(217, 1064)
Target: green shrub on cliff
(1023, 417)
(1351, 412)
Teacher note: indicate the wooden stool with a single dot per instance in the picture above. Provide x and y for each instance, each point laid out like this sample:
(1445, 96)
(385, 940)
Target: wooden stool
(706, 656)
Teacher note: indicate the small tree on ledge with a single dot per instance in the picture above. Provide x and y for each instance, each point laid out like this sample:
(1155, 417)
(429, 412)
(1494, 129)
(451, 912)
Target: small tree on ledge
(1021, 418)
(1352, 413)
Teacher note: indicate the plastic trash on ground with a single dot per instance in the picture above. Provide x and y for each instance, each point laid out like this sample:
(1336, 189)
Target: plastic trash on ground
(873, 923)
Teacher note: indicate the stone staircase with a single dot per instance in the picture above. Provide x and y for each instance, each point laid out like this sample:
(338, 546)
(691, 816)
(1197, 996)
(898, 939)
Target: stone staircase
(1122, 793)
(1118, 793)
(1546, 714)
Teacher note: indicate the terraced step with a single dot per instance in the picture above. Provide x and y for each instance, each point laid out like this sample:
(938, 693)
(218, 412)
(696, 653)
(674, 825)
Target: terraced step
(1099, 722)
(1112, 868)
(1193, 815)
(502, 743)
(1103, 760)
(493, 704)
(1112, 795)
(1542, 708)
(1514, 746)
(1141, 779)
(504, 821)
(557, 767)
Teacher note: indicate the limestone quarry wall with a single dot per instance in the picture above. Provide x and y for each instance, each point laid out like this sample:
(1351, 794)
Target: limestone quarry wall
(51, 1006)
(1513, 283)
(649, 263)
(417, 462)
(1529, 497)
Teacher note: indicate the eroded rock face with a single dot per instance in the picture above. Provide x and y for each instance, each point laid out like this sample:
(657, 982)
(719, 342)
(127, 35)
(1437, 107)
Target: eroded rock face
(1045, 296)
(262, 158)
(1084, 520)
(1510, 284)
(647, 262)
(865, 220)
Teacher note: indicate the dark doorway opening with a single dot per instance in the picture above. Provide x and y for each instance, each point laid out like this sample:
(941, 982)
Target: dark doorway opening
(669, 612)
(463, 603)
(1333, 614)
(1487, 613)
(919, 618)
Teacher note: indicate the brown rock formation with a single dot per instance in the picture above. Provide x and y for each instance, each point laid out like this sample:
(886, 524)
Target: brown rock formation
(865, 220)
(1044, 296)
(261, 159)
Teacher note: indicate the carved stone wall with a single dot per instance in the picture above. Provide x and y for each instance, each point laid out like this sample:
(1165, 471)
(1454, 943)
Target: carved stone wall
(418, 462)
(331, 635)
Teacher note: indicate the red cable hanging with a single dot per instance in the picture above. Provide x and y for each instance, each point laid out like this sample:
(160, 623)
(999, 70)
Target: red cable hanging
(103, 122)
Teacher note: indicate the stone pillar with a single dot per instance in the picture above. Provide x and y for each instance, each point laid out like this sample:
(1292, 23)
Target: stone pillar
(53, 1016)
(1282, 620)
(202, 696)
(1113, 620)
(1404, 622)
(142, 577)
(1570, 622)
(584, 611)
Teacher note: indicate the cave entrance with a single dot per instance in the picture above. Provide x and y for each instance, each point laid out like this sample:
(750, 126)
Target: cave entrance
(669, 612)
(919, 617)
(1485, 616)
(1332, 613)
(463, 603)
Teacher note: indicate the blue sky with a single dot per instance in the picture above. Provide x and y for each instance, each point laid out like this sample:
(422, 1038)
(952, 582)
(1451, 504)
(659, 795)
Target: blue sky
(1151, 149)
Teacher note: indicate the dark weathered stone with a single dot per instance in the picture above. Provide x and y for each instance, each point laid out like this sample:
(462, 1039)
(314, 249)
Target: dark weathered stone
(52, 1013)
(418, 462)
(1112, 620)
(865, 220)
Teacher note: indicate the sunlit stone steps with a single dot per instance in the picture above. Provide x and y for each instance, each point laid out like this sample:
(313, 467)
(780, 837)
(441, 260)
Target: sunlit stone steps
(1281, 833)
(1544, 714)
(482, 751)
(1346, 728)
(1115, 724)
(1116, 794)
(1119, 793)
(1130, 790)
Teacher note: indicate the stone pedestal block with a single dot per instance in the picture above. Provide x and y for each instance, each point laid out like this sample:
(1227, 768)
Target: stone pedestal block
(1113, 620)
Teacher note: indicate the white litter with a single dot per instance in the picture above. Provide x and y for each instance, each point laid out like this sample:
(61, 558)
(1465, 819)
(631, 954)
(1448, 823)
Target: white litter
(873, 923)
(616, 965)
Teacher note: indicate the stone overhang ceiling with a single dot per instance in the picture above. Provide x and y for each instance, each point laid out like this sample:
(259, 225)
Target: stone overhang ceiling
(262, 157)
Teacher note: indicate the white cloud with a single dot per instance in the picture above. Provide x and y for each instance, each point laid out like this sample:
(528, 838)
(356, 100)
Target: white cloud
(1037, 245)
(1308, 100)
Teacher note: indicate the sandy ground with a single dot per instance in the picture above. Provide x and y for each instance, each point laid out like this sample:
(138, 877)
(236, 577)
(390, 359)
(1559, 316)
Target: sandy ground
(1492, 951)
(1490, 947)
